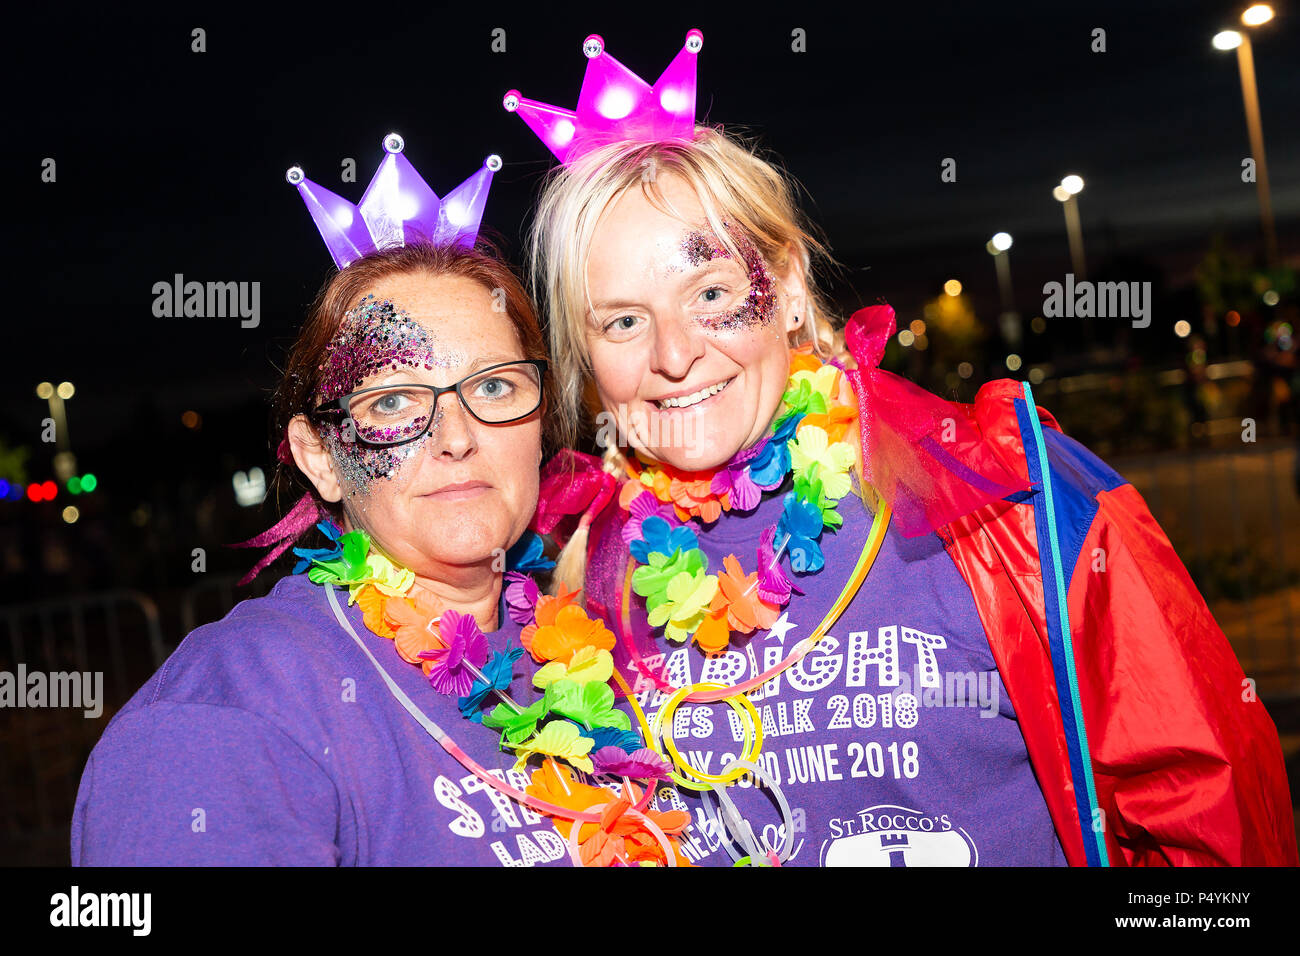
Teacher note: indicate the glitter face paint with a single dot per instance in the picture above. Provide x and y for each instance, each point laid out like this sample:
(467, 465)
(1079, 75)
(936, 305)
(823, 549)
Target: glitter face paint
(376, 337)
(759, 307)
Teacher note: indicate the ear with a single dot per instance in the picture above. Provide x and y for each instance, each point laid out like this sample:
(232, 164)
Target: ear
(794, 287)
(313, 458)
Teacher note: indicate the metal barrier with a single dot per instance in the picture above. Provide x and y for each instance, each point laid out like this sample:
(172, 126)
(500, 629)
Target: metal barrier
(43, 749)
(1233, 515)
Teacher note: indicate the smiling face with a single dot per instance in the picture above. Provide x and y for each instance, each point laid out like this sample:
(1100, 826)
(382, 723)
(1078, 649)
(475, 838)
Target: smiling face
(449, 499)
(688, 343)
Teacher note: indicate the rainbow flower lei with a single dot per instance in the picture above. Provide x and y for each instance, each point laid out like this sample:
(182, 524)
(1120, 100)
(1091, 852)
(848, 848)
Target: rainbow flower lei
(585, 729)
(672, 572)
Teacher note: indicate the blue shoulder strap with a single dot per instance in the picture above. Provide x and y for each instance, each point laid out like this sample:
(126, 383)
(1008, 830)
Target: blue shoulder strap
(1091, 821)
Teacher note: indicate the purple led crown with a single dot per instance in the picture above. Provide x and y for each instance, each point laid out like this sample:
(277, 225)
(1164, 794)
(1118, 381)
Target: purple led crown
(398, 206)
(616, 104)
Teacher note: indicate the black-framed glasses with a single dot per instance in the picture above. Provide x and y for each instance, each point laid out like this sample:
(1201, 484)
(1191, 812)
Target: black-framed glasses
(400, 413)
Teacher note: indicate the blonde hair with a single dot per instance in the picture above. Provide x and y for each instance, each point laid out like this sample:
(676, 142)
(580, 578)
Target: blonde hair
(733, 184)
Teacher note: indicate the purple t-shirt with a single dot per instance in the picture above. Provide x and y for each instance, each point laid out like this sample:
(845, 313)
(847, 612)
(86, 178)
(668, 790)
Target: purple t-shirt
(894, 740)
(269, 738)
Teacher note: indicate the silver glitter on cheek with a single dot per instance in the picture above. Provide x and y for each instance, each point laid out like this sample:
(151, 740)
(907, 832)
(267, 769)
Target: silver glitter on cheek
(361, 465)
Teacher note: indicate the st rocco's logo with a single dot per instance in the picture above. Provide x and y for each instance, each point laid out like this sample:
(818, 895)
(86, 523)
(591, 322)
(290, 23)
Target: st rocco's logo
(890, 835)
(208, 300)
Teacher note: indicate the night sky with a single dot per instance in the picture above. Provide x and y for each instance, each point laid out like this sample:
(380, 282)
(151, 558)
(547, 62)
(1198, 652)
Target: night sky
(170, 161)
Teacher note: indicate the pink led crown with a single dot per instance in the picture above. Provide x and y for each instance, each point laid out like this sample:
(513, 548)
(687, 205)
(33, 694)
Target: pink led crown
(616, 104)
(397, 206)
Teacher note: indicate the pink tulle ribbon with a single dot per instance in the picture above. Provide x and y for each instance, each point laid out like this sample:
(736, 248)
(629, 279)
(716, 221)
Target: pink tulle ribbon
(927, 457)
(282, 534)
(572, 483)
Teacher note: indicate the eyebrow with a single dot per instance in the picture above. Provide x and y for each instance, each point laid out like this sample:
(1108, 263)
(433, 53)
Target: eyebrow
(481, 362)
(691, 274)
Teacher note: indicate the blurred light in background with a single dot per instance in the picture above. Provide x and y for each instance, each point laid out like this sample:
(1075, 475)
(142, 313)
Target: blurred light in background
(1038, 324)
(1002, 241)
(45, 390)
(965, 370)
(250, 489)
(66, 390)
(906, 338)
(71, 514)
(1271, 297)
(1227, 40)
(192, 420)
(1256, 14)
(1013, 362)
(1182, 328)
(952, 287)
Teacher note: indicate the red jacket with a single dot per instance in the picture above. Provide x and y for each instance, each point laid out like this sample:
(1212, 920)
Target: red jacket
(1186, 763)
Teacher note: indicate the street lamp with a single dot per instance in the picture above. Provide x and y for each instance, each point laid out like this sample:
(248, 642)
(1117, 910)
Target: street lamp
(1233, 40)
(998, 247)
(1065, 194)
(65, 463)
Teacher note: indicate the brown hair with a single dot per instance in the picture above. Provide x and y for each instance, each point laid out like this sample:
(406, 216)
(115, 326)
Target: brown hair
(300, 383)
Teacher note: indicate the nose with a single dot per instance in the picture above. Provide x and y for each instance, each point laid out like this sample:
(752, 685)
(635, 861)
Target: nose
(451, 433)
(677, 344)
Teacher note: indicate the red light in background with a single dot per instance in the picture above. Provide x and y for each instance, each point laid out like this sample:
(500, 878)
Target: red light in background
(34, 492)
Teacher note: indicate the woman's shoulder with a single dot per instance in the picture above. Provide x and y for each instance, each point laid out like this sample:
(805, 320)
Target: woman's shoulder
(265, 650)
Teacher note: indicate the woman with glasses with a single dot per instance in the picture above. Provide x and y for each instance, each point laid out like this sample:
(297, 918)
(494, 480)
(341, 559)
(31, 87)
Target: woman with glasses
(412, 414)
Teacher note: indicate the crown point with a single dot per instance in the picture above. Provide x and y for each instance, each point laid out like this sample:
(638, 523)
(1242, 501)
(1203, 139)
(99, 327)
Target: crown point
(493, 162)
(694, 41)
(294, 175)
(511, 101)
(394, 143)
(593, 46)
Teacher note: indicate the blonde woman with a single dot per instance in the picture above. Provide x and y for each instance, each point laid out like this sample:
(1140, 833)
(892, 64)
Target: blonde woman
(904, 589)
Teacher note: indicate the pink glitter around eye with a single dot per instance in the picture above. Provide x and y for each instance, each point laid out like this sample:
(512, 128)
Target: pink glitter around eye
(759, 307)
(376, 336)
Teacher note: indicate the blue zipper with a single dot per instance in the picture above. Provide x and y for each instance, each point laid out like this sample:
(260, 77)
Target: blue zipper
(1058, 633)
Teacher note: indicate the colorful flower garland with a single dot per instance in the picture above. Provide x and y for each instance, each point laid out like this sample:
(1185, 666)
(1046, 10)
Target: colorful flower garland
(589, 732)
(681, 596)
(586, 730)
